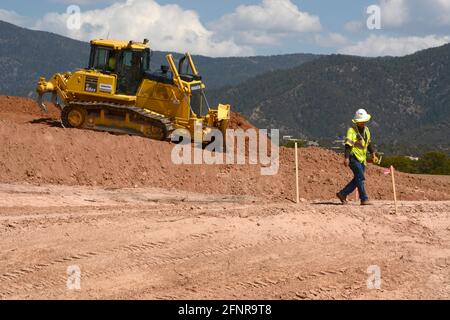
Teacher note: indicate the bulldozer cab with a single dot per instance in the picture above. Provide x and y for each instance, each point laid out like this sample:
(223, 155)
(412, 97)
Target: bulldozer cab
(128, 61)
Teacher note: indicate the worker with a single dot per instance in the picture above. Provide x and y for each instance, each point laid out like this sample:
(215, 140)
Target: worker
(357, 143)
(112, 64)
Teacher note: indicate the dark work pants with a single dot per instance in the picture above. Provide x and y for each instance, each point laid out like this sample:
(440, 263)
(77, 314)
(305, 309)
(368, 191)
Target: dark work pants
(358, 169)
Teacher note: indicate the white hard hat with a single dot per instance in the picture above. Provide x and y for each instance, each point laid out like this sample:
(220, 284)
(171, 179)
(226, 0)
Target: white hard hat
(361, 116)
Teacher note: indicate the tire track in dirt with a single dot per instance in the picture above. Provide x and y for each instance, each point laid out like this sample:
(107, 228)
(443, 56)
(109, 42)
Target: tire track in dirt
(265, 282)
(315, 279)
(44, 220)
(16, 274)
(133, 249)
(346, 281)
(323, 291)
(174, 258)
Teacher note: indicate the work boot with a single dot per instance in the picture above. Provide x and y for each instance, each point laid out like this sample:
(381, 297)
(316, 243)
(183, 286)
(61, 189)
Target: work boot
(342, 198)
(366, 203)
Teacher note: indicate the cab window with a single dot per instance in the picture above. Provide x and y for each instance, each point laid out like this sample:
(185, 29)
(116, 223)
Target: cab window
(127, 59)
(100, 59)
(103, 59)
(146, 60)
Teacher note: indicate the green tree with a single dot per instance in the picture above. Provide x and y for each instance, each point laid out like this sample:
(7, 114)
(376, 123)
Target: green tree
(401, 163)
(300, 144)
(434, 162)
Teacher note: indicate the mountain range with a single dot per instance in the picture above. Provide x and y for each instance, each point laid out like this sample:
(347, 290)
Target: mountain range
(408, 98)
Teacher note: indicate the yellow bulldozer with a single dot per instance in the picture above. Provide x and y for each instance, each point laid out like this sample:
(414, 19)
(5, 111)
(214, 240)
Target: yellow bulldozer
(119, 93)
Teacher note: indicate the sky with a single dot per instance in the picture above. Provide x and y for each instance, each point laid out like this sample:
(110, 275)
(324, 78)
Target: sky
(246, 27)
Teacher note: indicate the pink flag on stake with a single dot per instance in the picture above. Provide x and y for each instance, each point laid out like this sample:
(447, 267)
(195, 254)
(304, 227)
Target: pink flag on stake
(387, 171)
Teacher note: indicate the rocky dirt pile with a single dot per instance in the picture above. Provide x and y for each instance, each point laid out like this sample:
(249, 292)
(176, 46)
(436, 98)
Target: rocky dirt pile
(35, 149)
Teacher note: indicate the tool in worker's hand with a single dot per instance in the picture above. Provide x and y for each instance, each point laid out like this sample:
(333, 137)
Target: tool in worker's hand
(375, 159)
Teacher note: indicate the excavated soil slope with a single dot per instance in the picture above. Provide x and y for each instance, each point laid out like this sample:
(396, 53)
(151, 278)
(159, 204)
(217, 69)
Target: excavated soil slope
(35, 149)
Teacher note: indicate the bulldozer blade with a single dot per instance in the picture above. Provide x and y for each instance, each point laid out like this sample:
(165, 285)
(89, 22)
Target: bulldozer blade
(41, 103)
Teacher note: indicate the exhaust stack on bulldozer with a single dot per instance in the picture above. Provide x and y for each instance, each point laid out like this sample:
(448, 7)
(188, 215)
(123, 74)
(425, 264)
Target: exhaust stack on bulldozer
(119, 93)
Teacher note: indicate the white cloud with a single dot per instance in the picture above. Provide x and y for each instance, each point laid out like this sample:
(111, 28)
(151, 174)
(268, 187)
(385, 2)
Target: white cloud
(172, 28)
(249, 27)
(393, 46)
(15, 18)
(445, 4)
(354, 26)
(70, 2)
(442, 11)
(266, 23)
(169, 27)
(408, 15)
(394, 13)
(398, 13)
(331, 40)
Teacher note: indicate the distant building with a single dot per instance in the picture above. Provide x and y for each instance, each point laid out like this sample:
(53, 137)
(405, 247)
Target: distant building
(312, 143)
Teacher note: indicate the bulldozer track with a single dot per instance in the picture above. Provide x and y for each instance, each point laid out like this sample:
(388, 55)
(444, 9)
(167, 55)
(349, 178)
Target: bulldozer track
(152, 118)
(129, 248)
(144, 262)
(262, 282)
(78, 215)
(157, 260)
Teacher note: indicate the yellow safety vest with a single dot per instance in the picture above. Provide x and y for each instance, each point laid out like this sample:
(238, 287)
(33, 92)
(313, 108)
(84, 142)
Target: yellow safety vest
(359, 143)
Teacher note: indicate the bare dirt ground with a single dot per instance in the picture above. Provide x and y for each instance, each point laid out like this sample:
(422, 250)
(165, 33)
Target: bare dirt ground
(153, 244)
(139, 227)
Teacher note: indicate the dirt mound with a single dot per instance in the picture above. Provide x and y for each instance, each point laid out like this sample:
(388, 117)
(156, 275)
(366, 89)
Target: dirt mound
(17, 109)
(37, 150)
(238, 121)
